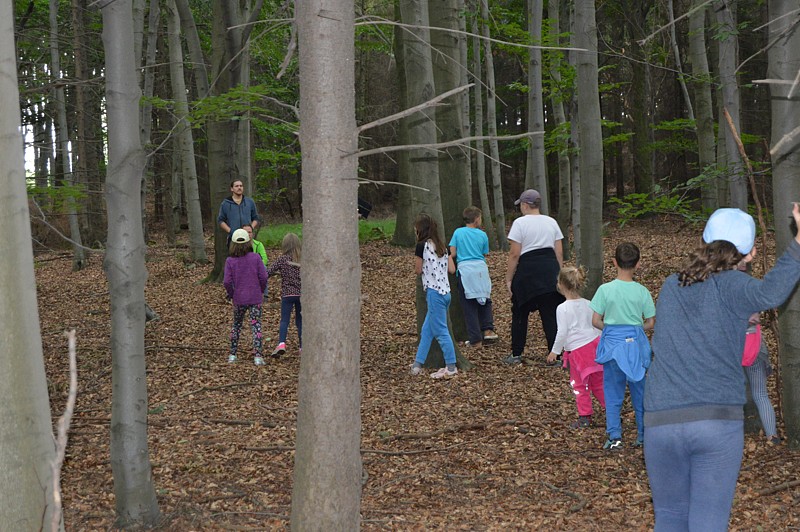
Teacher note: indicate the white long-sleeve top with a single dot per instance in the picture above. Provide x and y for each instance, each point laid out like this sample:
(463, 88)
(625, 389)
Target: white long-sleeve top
(574, 319)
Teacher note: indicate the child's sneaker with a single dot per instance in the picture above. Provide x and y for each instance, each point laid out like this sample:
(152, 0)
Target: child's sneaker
(415, 370)
(490, 336)
(281, 349)
(443, 373)
(231, 359)
(638, 443)
(582, 422)
(259, 361)
(614, 444)
(511, 360)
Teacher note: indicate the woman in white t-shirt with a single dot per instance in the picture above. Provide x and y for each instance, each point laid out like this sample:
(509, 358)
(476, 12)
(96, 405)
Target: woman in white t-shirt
(431, 263)
(534, 261)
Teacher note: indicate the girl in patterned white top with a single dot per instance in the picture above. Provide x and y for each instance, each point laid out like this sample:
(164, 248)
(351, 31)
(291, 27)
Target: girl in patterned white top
(431, 264)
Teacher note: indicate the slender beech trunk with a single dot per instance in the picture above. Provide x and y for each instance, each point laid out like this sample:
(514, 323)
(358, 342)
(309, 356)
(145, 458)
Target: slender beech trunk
(135, 496)
(480, 161)
(783, 60)
(678, 64)
(725, 12)
(705, 108)
(327, 479)
(62, 142)
(557, 104)
(591, 147)
(27, 452)
(491, 121)
(536, 170)
(183, 136)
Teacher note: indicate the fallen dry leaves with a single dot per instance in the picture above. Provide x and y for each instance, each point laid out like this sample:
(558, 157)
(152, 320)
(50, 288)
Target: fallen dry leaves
(487, 450)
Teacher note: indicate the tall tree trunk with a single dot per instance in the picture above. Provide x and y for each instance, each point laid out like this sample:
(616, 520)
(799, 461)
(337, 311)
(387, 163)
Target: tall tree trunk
(86, 167)
(183, 132)
(591, 147)
(404, 219)
(135, 496)
(703, 102)
(557, 104)
(194, 47)
(466, 128)
(491, 121)
(447, 67)
(453, 162)
(62, 141)
(574, 146)
(327, 480)
(676, 51)
(641, 110)
(784, 57)
(536, 170)
(728, 60)
(27, 452)
(480, 162)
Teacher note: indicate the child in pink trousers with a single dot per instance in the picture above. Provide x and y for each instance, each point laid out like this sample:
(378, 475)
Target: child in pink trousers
(578, 338)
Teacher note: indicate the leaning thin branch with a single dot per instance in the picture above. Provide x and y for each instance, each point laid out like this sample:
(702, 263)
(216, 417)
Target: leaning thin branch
(769, 45)
(662, 28)
(373, 20)
(43, 219)
(784, 145)
(412, 110)
(289, 52)
(776, 19)
(439, 145)
(63, 428)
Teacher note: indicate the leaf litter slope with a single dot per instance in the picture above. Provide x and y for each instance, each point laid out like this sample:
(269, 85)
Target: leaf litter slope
(487, 450)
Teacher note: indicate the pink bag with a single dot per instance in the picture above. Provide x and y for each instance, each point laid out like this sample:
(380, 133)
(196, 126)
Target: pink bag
(752, 344)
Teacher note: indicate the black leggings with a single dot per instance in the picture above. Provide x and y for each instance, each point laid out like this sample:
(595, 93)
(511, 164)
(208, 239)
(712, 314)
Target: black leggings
(546, 305)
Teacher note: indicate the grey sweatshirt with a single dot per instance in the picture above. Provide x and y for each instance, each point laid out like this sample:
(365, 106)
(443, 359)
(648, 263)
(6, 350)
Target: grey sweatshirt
(696, 373)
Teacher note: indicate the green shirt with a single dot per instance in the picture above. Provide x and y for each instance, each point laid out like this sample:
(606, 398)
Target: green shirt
(258, 247)
(623, 303)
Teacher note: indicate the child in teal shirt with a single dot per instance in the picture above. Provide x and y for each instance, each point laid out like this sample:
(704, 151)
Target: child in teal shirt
(623, 310)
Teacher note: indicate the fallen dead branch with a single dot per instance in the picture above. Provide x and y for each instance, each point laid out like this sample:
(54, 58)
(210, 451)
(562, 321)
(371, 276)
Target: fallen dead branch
(582, 501)
(779, 487)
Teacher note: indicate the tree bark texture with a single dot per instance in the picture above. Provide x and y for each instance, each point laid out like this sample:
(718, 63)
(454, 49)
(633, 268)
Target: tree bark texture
(536, 174)
(728, 40)
(491, 124)
(183, 136)
(26, 438)
(704, 118)
(135, 496)
(783, 60)
(591, 146)
(327, 477)
(557, 104)
(62, 141)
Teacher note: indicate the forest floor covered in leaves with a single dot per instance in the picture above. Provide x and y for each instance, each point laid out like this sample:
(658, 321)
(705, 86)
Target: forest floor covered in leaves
(489, 449)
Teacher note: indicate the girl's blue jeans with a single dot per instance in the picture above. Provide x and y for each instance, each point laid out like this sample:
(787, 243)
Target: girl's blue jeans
(435, 326)
(287, 303)
(693, 469)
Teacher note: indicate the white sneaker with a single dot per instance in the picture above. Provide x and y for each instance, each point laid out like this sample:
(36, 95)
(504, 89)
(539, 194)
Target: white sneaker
(444, 373)
(415, 370)
(259, 361)
(231, 359)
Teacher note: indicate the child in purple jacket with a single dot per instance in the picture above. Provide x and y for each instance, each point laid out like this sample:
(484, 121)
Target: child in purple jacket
(245, 281)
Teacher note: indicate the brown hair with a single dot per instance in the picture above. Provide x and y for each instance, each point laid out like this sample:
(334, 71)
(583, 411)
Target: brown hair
(471, 214)
(240, 249)
(291, 246)
(627, 255)
(572, 278)
(427, 229)
(707, 260)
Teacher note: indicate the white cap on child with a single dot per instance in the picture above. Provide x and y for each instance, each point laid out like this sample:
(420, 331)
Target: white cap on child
(733, 225)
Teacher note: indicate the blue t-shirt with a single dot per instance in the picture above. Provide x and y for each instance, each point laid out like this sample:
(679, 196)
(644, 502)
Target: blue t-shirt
(623, 303)
(471, 243)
